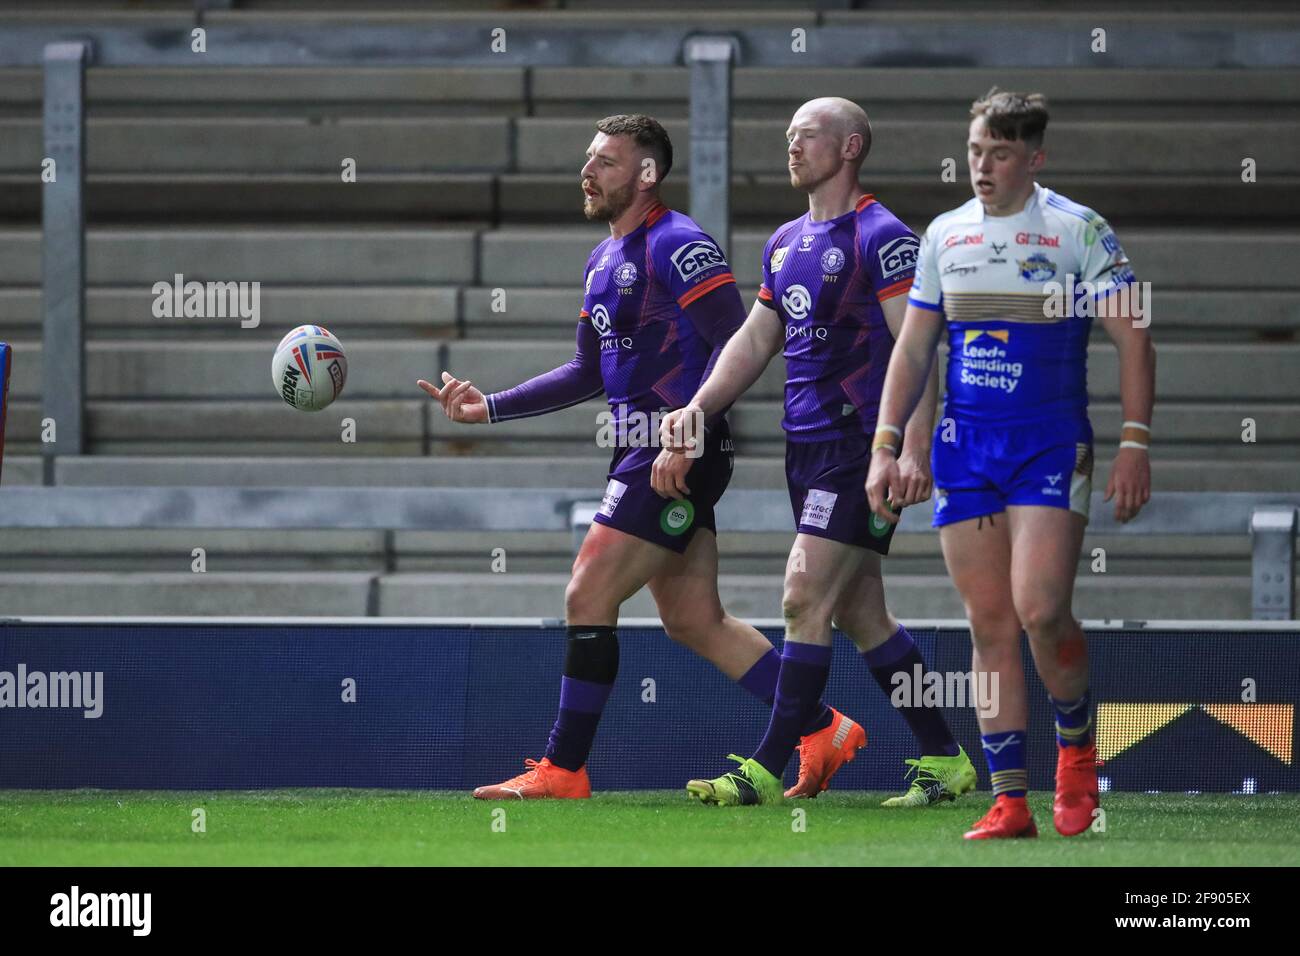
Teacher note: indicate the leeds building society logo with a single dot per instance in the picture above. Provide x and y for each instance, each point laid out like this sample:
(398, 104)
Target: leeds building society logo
(898, 255)
(676, 517)
(797, 301)
(695, 257)
(832, 260)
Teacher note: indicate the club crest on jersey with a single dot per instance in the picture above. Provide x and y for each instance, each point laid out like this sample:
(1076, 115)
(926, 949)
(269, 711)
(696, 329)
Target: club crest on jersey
(832, 260)
(778, 259)
(797, 300)
(625, 275)
(1037, 268)
(898, 255)
(695, 257)
(600, 318)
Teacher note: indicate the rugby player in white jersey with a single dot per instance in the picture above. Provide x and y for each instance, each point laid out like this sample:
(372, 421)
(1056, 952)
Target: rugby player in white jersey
(1015, 276)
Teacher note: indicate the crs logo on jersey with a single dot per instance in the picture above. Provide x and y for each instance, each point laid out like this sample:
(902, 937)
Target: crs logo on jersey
(600, 318)
(797, 300)
(898, 255)
(698, 255)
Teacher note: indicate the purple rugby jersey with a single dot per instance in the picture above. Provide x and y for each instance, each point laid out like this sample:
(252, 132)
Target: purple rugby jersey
(642, 338)
(826, 281)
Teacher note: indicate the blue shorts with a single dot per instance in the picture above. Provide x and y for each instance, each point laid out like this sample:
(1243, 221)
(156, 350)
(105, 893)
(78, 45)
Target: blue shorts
(983, 469)
(632, 506)
(828, 494)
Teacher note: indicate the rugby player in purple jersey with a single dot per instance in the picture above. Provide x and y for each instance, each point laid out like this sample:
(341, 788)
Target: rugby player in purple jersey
(832, 299)
(660, 303)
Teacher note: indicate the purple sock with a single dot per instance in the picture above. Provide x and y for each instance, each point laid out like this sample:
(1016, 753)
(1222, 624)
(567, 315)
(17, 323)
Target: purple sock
(581, 703)
(760, 680)
(799, 687)
(899, 653)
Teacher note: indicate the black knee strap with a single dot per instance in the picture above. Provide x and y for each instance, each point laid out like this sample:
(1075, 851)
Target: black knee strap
(592, 654)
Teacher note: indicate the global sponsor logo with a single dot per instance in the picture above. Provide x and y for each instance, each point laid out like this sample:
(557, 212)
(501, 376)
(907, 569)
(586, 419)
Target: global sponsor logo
(1037, 239)
(600, 319)
(833, 260)
(898, 255)
(797, 301)
(1036, 268)
(696, 256)
(985, 365)
(616, 343)
(967, 239)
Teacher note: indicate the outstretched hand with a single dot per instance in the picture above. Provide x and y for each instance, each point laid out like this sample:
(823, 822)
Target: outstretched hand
(460, 401)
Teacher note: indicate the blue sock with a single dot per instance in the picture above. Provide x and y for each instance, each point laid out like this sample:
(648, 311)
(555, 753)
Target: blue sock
(799, 687)
(1005, 753)
(1073, 721)
(760, 680)
(590, 666)
(899, 653)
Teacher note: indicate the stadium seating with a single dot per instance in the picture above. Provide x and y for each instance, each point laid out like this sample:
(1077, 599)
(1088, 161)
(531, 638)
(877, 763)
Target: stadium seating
(467, 185)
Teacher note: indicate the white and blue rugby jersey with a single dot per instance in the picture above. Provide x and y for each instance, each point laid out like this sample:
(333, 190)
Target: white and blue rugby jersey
(1011, 289)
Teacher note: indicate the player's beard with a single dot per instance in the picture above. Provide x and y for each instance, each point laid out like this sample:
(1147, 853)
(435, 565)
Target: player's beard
(610, 206)
(806, 180)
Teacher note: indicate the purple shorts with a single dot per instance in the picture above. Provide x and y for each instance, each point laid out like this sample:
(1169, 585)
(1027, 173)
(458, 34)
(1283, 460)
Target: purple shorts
(633, 507)
(828, 494)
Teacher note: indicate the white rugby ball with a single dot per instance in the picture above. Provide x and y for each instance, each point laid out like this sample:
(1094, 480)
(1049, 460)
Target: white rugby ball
(309, 369)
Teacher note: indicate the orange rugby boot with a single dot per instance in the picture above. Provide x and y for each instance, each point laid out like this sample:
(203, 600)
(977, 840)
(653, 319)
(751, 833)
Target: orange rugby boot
(540, 781)
(824, 752)
(1076, 789)
(1008, 818)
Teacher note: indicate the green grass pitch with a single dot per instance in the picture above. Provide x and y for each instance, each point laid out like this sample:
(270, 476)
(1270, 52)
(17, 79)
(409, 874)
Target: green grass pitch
(646, 828)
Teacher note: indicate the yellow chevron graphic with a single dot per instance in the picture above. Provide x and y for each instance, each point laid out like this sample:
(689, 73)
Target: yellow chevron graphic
(1002, 335)
(1268, 726)
(1120, 726)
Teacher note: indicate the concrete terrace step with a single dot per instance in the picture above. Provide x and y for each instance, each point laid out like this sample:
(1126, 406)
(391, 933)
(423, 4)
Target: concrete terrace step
(542, 595)
(539, 256)
(896, 92)
(504, 198)
(284, 253)
(230, 370)
(288, 144)
(1262, 473)
(1183, 259)
(544, 312)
